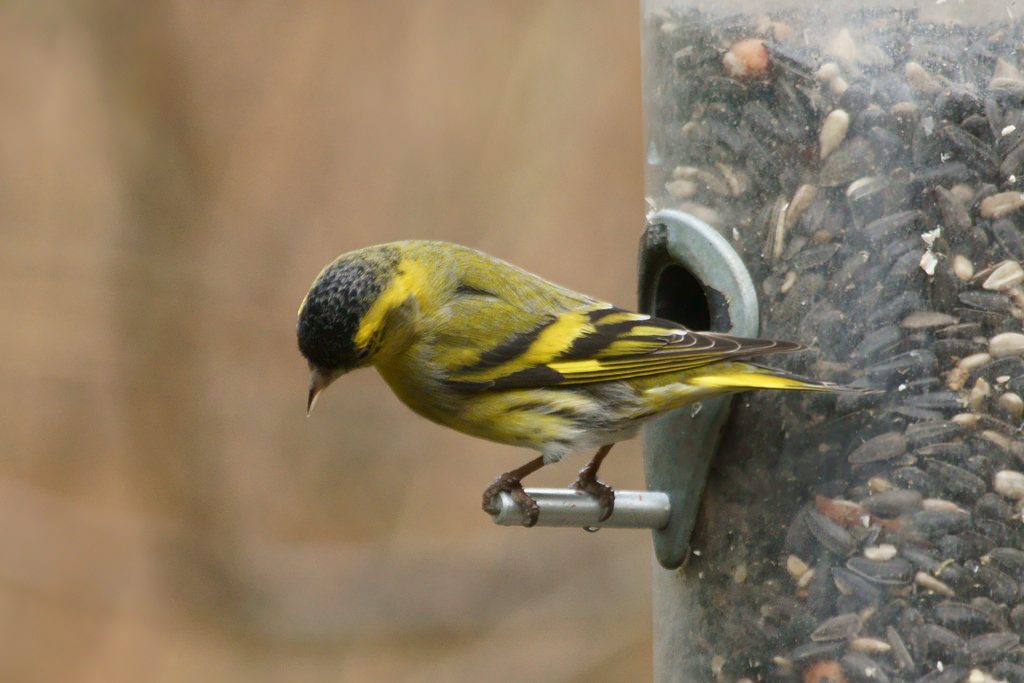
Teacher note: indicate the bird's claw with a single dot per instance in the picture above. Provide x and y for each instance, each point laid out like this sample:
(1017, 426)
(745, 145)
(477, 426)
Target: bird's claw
(511, 484)
(587, 483)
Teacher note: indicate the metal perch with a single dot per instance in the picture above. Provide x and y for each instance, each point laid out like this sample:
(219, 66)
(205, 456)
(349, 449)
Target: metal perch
(568, 507)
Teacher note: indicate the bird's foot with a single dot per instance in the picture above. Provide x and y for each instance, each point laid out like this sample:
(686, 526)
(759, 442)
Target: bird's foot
(510, 483)
(587, 483)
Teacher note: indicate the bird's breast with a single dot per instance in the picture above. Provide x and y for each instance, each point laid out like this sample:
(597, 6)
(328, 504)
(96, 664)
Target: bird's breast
(551, 420)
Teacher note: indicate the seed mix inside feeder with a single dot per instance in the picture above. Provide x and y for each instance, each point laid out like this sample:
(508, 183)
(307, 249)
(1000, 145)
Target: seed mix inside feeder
(869, 172)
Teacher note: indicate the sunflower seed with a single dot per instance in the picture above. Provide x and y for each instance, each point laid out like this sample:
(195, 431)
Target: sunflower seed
(681, 189)
(850, 160)
(1006, 344)
(949, 451)
(830, 535)
(882, 447)
(986, 301)
(802, 199)
(998, 584)
(856, 587)
(885, 551)
(1006, 233)
(900, 653)
(963, 267)
(960, 617)
(839, 627)
(816, 651)
(920, 79)
(941, 505)
(1001, 204)
(892, 503)
(1006, 275)
(796, 567)
(924, 433)
(989, 647)
(930, 583)
(893, 572)
(935, 523)
(833, 131)
(942, 644)
(919, 320)
(1012, 405)
(1009, 483)
(1009, 560)
(869, 645)
(991, 506)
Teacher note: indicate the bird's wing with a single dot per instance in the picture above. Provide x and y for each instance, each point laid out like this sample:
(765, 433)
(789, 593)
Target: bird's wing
(600, 343)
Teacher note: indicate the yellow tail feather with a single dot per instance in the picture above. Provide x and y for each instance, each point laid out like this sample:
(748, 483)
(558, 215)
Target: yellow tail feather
(767, 380)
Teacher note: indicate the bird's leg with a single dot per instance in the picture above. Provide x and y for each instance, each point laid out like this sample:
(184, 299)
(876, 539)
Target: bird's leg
(587, 483)
(512, 482)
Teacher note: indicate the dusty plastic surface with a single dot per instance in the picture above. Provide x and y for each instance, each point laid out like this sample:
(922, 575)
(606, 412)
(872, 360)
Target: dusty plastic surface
(866, 164)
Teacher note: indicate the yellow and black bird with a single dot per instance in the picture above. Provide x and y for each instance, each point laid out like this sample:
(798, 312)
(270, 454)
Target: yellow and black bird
(481, 346)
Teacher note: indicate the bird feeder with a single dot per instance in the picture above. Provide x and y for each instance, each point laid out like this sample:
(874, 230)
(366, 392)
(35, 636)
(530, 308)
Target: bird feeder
(848, 176)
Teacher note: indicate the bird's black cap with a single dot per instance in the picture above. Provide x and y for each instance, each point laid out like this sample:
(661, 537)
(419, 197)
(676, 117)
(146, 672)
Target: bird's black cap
(334, 307)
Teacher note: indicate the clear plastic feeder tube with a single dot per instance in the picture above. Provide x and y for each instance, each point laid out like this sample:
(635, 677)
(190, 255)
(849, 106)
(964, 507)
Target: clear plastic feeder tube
(866, 161)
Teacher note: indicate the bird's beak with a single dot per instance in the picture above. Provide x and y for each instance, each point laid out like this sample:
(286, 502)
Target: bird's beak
(318, 381)
(313, 393)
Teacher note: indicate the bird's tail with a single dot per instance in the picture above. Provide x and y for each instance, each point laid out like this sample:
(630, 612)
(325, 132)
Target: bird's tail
(741, 376)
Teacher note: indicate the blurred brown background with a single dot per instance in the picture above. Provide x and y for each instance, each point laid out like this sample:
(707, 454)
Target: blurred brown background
(172, 177)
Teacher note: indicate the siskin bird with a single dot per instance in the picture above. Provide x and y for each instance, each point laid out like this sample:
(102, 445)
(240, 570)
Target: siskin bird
(486, 348)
